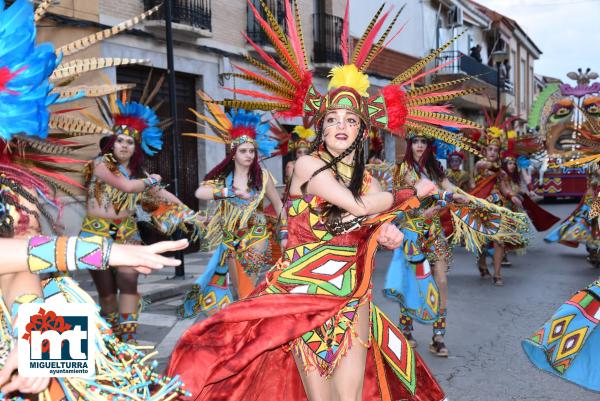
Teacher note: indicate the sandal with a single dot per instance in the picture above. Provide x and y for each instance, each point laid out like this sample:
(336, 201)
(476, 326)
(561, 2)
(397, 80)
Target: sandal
(410, 339)
(505, 262)
(498, 281)
(438, 347)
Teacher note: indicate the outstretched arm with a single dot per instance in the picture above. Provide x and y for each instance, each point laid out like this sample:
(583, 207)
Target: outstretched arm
(121, 183)
(325, 186)
(146, 257)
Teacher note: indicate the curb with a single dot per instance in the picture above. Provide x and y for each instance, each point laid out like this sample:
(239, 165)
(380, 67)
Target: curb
(155, 296)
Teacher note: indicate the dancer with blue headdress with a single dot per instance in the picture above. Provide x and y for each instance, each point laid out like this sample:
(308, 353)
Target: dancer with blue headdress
(116, 184)
(33, 141)
(239, 228)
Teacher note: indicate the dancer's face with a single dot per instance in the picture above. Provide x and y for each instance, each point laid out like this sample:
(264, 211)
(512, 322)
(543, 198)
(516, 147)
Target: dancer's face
(123, 148)
(340, 129)
(301, 152)
(418, 146)
(511, 166)
(492, 152)
(245, 154)
(454, 162)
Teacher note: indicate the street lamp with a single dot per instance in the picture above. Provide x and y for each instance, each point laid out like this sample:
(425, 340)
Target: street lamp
(498, 58)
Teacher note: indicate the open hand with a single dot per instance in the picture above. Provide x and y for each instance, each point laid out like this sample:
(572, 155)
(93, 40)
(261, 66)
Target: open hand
(459, 198)
(424, 188)
(144, 258)
(26, 385)
(241, 194)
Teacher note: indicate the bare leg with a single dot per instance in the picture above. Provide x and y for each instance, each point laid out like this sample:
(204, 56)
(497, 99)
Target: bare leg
(128, 303)
(233, 277)
(348, 378)
(498, 255)
(316, 387)
(438, 346)
(106, 286)
(440, 276)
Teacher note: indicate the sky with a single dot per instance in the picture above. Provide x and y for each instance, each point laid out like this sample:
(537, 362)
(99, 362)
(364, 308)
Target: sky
(566, 31)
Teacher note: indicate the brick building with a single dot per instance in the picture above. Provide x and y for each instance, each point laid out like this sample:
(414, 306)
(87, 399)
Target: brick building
(207, 41)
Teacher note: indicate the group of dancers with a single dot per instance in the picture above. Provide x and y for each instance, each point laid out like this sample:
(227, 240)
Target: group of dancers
(288, 290)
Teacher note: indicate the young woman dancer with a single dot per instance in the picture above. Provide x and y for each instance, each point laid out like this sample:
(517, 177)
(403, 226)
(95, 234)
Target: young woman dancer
(310, 331)
(239, 228)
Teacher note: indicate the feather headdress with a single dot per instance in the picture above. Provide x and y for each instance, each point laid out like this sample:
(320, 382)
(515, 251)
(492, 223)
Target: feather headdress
(138, 119)
(235, 127)
(35, 149)
(287, 86)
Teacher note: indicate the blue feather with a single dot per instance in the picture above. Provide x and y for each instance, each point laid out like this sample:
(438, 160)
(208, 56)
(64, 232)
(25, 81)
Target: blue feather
(266, 144)
(151, 136)
(24, 106)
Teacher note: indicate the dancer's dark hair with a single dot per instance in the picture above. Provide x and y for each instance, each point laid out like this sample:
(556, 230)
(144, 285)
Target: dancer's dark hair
(514, 176)
(136, 163)
(428, 164)
(334, 213)
(227, 166)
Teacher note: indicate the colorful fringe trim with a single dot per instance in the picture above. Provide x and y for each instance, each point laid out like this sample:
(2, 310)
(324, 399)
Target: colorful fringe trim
(123, 371)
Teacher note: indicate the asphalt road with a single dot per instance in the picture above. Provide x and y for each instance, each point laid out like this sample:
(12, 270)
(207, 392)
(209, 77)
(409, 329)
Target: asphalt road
(485, 323)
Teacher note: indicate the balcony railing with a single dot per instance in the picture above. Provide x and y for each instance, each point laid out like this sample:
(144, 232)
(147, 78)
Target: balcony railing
(195, 13)
(254, 30)
(327, 35)
(466, 65)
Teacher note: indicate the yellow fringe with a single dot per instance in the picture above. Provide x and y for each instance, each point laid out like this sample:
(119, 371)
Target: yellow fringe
(513, 229)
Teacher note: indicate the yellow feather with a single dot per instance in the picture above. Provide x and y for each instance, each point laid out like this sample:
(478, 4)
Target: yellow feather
(348, 75)
(495, 132)
(204, 136)
(215, 110)
(214, 123)
(304, 133)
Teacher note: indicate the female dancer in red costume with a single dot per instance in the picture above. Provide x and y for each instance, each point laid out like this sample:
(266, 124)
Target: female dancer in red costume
(311, 332)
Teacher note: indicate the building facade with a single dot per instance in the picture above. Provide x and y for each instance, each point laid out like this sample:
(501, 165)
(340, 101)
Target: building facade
(208, 42)
(502, 66)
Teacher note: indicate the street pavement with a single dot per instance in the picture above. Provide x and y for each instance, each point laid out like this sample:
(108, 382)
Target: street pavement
(485, 323)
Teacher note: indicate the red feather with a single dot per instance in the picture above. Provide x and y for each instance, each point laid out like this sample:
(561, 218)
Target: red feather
(62, 111)
(274, 38)
(6, 76)
(255, 75)
(395, 105)
(239, 131)
(253, 93)
(134, 122)
(270, 60)
(54, 159)
(293, 36)
(58, 177)
(345, 39)
(369, 40)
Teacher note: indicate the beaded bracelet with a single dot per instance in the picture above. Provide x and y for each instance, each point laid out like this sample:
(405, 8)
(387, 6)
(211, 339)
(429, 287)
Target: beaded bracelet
(444, 196)
(61, 254)
(150, 182)
(221, 193)
(283, 230)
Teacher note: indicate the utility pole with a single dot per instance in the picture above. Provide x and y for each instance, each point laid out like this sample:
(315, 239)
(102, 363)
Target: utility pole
(168, 4)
